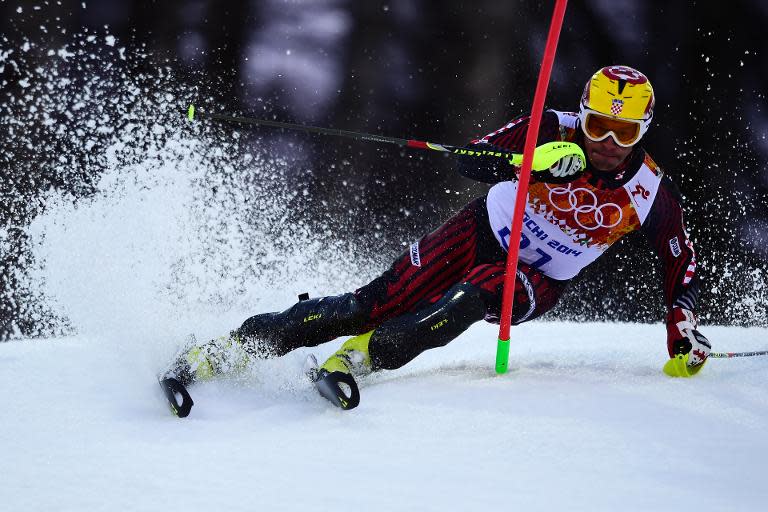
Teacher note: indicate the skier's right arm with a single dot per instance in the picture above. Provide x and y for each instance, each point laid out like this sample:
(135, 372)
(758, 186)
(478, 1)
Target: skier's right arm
(666, 232)
(509, 138)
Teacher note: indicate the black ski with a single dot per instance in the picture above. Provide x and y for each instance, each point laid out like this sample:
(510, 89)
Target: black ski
(339, 388)
(175, 391)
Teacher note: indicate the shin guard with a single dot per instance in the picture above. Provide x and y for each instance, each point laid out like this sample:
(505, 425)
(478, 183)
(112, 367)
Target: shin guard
(305, 324)
(398, 341)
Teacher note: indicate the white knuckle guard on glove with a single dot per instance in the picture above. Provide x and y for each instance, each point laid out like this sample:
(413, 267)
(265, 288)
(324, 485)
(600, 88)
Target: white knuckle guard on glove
(683, 337)
(566, 166)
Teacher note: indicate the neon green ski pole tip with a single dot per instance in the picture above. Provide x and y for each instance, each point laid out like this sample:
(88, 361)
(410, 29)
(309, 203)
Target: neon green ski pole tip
(191, 113)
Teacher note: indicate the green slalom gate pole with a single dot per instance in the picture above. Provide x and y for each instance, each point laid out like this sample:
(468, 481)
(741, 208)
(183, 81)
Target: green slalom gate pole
(505, 322)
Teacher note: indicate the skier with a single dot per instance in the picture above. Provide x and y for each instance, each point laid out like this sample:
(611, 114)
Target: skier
(452, 277)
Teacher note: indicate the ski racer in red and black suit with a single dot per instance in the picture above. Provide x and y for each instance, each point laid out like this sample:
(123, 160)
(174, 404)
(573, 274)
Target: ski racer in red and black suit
(452, 277)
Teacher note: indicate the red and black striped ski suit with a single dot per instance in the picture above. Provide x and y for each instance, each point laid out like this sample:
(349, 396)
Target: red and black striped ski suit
(462, 250)
(448, 280)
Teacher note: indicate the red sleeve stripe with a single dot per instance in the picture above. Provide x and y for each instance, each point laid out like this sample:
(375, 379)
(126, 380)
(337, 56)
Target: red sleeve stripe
(691, 270)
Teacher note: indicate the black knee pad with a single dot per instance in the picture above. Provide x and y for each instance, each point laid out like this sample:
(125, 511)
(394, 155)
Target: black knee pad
(401, 339)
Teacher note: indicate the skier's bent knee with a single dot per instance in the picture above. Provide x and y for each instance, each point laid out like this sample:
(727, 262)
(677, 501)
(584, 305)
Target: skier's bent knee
(398, 341)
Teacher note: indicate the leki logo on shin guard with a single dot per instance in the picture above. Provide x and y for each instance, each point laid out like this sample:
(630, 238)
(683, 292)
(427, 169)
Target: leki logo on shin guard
(313, 316)
(439, 324)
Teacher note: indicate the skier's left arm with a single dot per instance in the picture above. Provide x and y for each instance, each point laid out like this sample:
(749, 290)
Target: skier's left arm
(665, 229)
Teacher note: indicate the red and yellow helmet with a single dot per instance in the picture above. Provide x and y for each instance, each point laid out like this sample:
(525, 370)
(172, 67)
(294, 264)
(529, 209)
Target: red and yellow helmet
(618, 102)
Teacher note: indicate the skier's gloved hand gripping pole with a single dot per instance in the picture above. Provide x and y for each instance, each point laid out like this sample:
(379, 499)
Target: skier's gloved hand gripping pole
(677, 366)
(559, 157)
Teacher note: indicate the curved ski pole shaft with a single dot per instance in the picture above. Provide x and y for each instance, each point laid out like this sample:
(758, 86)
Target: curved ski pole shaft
(545, 156)
(728, 355)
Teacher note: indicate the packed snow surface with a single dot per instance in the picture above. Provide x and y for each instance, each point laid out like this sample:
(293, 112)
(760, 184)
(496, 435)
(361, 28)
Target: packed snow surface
(179, 228)
(584, 420)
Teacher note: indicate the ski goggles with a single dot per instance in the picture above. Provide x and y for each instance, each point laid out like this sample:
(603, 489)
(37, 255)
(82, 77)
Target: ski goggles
(625, 132)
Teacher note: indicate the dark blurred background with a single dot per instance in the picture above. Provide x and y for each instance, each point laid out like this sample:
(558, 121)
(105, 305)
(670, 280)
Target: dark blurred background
(444, 71)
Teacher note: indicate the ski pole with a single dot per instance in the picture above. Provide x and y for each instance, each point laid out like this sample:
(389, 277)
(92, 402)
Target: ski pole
(678, 367)
(544, 157)
(728, 355)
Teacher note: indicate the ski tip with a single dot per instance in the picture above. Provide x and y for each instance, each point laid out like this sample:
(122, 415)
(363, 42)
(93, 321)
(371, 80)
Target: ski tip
(339, 388)
(191, 112)
(178, 397)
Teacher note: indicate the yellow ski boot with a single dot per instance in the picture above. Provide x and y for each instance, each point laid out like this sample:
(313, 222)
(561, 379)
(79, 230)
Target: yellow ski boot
(335, 379)
(224, 355)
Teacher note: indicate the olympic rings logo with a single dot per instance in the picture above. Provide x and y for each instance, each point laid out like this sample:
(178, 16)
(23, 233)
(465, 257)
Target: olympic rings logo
(584, 205)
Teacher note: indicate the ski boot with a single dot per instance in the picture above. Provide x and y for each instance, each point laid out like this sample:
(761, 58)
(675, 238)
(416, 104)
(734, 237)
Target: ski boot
(335, 379)
(200, 363)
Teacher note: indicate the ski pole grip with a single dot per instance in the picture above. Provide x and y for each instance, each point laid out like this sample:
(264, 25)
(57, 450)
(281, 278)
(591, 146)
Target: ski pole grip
(502, 356)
